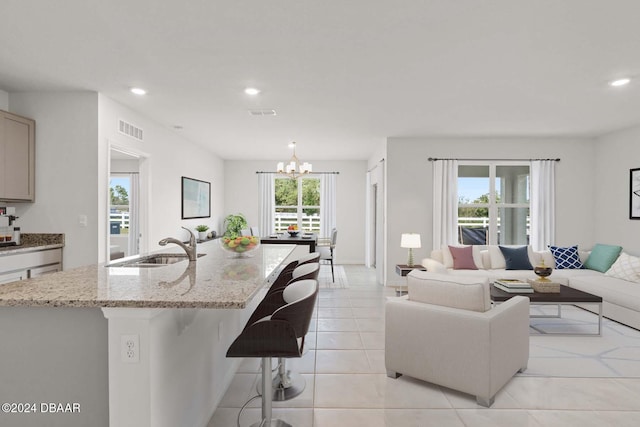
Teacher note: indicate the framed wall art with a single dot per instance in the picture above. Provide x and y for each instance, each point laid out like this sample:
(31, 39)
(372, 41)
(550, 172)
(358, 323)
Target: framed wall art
(196, 198)
(634, 194)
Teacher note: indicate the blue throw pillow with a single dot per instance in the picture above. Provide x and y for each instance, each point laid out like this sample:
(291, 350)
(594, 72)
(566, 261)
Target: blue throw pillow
(566, 257)
(602, 257)
(516, 258)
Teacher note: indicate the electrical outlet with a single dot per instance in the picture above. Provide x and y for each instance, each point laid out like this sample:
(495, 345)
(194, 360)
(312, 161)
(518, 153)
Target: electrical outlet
(130, 348)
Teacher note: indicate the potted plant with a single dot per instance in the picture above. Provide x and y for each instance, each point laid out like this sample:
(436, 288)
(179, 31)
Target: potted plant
(234, 224)
(202, 231)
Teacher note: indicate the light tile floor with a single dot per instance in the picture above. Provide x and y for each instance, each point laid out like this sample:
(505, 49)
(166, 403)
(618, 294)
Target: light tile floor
(347, 385)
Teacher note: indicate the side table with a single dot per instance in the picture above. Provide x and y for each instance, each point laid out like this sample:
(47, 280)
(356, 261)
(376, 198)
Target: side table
(403, 270)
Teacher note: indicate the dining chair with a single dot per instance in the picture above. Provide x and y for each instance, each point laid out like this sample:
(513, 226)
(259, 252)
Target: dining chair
(255, 231)
(325, 247)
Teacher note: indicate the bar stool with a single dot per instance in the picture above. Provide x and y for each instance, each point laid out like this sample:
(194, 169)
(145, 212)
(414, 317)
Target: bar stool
(288, 384)
(280, 334)
(285, 275)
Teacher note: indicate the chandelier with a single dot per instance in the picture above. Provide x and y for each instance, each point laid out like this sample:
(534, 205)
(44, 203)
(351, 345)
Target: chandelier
(294, 169)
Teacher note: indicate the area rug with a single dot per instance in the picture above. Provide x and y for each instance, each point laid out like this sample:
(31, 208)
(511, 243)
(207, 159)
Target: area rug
(614, 354)
(325, 280)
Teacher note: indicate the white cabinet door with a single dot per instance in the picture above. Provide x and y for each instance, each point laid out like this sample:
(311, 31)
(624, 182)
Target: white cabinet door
(40, 271)
(12, 277)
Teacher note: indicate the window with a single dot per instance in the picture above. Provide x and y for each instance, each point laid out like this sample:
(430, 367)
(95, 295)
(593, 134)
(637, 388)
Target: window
(493, 203)
(297, 201)
(119, 189)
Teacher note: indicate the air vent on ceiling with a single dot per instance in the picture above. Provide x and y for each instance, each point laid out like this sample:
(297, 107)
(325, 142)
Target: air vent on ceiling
(130, 130)
(263, 112)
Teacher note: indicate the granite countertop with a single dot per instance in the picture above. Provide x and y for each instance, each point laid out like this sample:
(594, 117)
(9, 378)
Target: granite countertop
(213, 281)
(30, 242)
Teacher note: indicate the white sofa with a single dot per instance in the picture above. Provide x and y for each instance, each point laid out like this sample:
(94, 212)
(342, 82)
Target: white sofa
(621, 298)
(445, 332)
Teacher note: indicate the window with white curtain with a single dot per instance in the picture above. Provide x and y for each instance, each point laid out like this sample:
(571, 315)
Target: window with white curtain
(494, 202)
(297, 201)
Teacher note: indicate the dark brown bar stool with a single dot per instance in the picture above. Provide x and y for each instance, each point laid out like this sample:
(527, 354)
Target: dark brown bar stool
(280, 334)
(285, 275)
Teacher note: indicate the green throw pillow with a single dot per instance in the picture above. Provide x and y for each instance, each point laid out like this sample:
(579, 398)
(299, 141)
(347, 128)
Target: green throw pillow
(602, 257)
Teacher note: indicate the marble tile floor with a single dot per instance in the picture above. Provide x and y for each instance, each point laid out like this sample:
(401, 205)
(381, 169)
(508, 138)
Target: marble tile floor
(347, 385)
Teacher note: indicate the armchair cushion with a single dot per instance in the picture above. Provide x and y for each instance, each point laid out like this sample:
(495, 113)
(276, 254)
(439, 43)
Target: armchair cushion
(464, 292)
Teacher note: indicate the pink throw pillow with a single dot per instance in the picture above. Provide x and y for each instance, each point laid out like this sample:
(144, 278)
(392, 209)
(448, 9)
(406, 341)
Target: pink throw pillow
(462, 258)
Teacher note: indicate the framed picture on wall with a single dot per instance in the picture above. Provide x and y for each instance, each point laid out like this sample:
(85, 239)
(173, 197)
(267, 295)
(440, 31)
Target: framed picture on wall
(196, 198)
(634, 196)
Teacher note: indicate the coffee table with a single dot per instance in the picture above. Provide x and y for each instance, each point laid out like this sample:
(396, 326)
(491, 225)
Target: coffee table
(566, 296)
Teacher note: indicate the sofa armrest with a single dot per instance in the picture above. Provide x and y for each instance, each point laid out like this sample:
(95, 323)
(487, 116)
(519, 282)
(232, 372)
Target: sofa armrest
(437, 255)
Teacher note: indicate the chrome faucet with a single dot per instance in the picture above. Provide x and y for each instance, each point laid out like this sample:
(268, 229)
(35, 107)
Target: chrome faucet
(190, 249)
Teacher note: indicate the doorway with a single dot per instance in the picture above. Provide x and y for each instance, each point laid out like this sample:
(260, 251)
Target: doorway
(124, 232)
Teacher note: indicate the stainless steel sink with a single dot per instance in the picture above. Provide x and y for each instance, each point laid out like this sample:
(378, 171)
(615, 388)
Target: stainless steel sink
(157, 260)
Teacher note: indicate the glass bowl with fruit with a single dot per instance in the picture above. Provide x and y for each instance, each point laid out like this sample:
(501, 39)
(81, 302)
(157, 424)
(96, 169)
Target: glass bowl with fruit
(240, 246)
(293, 230)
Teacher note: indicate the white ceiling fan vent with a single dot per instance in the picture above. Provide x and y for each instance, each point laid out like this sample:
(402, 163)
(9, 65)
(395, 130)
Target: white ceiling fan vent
(263, 112)
(128, 129)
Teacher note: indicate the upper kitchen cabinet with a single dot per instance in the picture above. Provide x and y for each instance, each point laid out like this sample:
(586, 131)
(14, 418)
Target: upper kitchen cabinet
(17, 158)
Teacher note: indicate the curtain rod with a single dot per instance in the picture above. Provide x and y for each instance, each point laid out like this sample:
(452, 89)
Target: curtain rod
(432, 159)
(309, 173)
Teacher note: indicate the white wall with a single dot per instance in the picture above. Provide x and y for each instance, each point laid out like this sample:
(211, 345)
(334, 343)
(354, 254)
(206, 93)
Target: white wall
(409, 186)
(66, 163)
(4, 100)
(615, 155)
(242, 196)
(170, 158)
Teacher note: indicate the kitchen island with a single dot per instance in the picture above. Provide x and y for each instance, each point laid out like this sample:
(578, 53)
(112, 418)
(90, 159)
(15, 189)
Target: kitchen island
(131, 346)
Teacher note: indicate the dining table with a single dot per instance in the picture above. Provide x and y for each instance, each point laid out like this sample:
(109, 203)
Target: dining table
(310, 239)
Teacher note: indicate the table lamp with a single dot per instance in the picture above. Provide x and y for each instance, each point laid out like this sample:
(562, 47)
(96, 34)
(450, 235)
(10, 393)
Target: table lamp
(410, 241)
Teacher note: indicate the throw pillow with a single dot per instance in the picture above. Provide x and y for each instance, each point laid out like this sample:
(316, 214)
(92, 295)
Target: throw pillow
(464, 292)
(433, 266)
(602, 257)
(462, 258)
(447, 259)
(626, 267)
(497, 258)
(566, 257)
(516, 258)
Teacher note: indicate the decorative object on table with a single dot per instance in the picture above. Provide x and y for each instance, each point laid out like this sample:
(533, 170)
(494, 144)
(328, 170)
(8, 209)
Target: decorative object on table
(410, 241)
(202, 231)
(295, 168)
(514, 286)
(293, 230)
(240, 246)
(542, 271)
(634, 194)
(233, 240)
(547, 287)
(196, 198)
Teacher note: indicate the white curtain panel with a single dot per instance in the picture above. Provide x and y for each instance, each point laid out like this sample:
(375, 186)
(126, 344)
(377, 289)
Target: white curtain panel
(134, 214)
(327, 204)
(266, 188)
(445, 202)
(543, 196)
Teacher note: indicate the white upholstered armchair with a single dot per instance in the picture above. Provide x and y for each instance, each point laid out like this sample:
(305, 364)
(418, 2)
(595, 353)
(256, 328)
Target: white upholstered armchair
(445, 332)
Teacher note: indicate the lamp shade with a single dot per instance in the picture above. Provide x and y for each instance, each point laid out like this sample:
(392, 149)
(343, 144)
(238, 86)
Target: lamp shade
(410, 240)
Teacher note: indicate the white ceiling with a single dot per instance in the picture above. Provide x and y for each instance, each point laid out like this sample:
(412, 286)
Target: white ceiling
(342, 75)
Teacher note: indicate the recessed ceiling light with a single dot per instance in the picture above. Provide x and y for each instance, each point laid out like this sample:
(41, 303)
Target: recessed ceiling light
(619, 82)
(252, 91)
(178, 127)
(138, 91)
